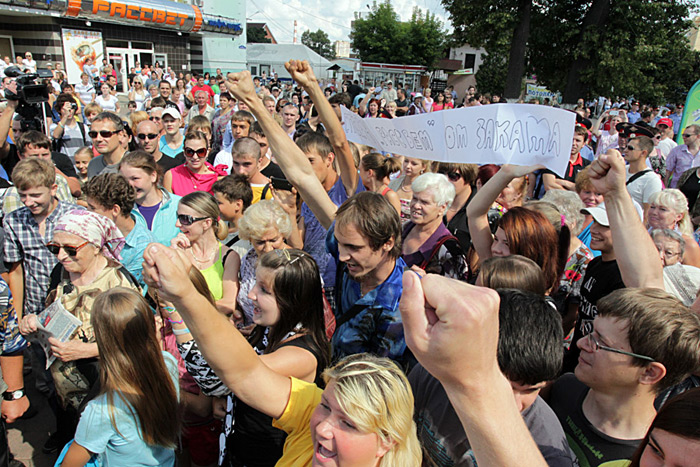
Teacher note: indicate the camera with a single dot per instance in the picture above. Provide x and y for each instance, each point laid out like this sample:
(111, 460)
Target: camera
(31, 93)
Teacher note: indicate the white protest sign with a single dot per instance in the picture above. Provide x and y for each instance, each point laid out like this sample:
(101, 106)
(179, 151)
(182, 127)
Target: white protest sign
(520, 134)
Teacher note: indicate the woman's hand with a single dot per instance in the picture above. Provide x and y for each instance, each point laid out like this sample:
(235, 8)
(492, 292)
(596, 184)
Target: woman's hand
(72, 350)
(181, 241)
(28, 324)
(167, 270)
(516, 171)
(247, 330)
(287, 200)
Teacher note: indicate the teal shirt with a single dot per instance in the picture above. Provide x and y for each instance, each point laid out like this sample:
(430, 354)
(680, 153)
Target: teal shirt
(124, 446)
(132, 253)
(163, 227)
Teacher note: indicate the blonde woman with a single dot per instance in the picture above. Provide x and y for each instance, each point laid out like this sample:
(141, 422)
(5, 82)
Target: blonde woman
(668, 209)
(137, 93)
(201, 232)
(412, 168)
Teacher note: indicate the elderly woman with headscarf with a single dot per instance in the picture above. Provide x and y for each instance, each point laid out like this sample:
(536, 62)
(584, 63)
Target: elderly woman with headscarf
(87, 246)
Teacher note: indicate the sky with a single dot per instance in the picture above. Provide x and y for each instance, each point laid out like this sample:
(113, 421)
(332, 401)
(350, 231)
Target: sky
(332, 16)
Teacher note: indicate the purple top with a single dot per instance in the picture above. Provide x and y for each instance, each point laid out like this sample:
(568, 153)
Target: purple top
(423, 253)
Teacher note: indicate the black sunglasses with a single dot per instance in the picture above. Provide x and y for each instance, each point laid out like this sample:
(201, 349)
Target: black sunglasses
(104, 133)
(54, 248)
(149, 135)
(201, 152)
(154, 119)
(453, 176)
(186, 219)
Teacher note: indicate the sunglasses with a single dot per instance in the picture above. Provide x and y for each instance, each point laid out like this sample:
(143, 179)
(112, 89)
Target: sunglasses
(54, 248)
(104, 133)
(154, 119)
(201, 152)
(688, 135)
(631, 148)
(452, 176)
(149, 136)
(186, 219)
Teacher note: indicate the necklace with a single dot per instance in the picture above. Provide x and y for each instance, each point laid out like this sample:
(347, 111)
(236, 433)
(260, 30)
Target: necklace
(405, 188)
(208, 259)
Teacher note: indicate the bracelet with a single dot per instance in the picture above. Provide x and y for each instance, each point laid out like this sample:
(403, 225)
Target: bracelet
(175, 322)
(61, 125)
(180, 332)
(169, 309)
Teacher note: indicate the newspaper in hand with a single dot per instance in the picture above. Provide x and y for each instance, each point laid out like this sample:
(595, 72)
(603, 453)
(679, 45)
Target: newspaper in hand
(55, 321)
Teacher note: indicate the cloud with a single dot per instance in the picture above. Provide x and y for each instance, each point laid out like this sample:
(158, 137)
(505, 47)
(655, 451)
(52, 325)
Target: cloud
(332, 17)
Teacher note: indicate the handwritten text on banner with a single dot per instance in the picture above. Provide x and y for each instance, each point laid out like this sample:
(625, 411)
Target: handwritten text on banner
(522, 134)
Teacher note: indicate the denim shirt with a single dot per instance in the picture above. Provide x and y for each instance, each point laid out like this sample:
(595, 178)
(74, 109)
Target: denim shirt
(378, 328)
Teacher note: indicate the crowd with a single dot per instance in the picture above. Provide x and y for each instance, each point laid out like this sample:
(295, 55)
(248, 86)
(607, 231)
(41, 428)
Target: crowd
(255, 290)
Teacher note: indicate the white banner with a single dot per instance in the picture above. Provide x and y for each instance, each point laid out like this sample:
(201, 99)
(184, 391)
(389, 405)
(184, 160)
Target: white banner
(79, 45)
(522, 134)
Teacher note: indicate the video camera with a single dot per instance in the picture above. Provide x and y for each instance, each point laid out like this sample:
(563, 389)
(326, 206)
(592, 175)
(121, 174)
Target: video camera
(31, 94)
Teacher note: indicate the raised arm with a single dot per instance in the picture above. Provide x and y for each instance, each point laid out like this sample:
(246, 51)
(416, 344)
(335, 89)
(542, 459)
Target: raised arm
(635, 252)
(478, 207)
(291, 159)
(166, 270)
(452, 329)
(303, 74)
(595, 130)
(365, 100)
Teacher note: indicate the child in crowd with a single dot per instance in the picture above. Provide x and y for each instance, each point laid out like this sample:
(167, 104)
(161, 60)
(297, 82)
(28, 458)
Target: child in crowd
(83, 156)
(133, 421)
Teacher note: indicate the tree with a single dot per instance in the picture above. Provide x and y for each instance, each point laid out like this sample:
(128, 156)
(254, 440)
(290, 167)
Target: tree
(256, 35)
(318, 42)
(495, 25)
(382, 37)
(623, 48)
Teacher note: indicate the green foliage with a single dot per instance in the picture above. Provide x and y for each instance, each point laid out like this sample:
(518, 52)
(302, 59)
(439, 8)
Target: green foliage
(318, 42)
(641, 49)
(382, 37)
(638, 49)
(491, 75)
(256, 35)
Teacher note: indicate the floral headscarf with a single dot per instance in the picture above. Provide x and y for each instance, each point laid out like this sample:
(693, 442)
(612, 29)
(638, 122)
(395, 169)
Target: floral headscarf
(94, 228)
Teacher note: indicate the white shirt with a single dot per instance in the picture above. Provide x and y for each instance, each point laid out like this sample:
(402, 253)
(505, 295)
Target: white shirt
(666, 145)
(644, 186)
(85, 91)
(109, 104)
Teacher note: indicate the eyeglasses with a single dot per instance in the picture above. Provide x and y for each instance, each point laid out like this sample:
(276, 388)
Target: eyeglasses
(104, 133)
(593, 342)
(453, 176)
(688, 135)
(54, 248)
(201, 152)
(147, 136)
(186, 219)
(154, 119)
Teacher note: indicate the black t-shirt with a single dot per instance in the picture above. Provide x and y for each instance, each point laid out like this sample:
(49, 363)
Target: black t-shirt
(691, 189)
(354, 90)
(166, 162)
(601, 278)
(273, 170)
(442, 436)
(60, 160)
(591, 446)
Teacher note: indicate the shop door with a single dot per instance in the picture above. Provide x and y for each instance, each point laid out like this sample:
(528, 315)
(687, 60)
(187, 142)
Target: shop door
(118, 62)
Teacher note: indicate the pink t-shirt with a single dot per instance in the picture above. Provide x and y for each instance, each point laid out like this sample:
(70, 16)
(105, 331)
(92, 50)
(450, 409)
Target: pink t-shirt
(185, 181)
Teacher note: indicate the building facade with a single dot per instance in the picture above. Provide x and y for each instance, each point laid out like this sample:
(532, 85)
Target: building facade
(126, 33)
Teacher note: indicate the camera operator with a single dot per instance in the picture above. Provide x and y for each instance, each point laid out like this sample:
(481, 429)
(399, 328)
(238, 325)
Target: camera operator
(9, 156)
(68, 134)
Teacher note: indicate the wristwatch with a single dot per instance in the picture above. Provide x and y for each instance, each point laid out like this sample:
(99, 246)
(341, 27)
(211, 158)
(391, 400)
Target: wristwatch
(13, 395)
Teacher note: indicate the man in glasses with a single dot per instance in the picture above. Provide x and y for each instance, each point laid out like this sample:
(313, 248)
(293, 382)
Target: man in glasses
(109, 138)
(148, 138)
(642, 342)
(156, 116)
(682, 157)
